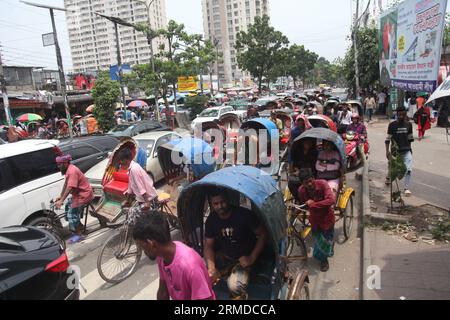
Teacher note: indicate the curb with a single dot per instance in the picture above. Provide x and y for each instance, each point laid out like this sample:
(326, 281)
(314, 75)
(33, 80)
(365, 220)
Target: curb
(365, 242)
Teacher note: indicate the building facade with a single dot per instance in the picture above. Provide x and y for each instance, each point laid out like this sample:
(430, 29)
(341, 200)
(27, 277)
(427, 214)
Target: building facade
(93, 40)
(222, 20)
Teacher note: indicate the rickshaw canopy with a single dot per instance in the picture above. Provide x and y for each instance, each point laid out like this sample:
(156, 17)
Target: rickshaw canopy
(320, 120)
(192, 151)
(325, 134)
(261, 123)
(267, 201)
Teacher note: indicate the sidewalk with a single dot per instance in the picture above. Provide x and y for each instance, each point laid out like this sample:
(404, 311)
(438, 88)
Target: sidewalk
(408, 270)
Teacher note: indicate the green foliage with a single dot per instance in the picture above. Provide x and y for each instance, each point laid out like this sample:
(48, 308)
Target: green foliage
(299, 62)
(196, 105)
(397, 168)
(446, 41)
(260, 49)
(441, 231)
(369, 73)
(105, 93)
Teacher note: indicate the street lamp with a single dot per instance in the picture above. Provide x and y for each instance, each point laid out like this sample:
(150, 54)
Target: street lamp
(150, 36)
(62, 78)
(117, 21)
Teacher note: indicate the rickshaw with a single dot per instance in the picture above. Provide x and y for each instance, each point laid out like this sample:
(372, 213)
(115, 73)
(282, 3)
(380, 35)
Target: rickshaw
(184, 161)
(356, 105)
(330, 104)
(119, 256)
(249, 148)
(299, 227)
(248, 187)
(228, 126)
(322, 121)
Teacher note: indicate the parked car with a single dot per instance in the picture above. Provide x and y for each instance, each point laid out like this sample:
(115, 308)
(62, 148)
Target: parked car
(87, 151)
(130, 129)
(150, 142)
(261, 103)
(29, 179)
(33, 266)
(210, 114)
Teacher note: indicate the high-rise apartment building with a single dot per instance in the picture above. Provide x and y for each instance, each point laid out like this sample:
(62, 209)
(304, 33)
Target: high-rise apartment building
(222, 20)
(93, 40)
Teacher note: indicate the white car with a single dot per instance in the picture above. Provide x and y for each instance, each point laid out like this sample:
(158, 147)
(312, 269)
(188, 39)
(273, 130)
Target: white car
(29, 180)
(150, 141)
(210, 114)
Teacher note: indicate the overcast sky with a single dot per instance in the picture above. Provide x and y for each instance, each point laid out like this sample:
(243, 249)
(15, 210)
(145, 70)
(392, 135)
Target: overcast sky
(321, 25)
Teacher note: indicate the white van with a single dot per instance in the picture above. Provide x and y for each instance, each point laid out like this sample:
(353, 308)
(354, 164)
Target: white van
(29, 180)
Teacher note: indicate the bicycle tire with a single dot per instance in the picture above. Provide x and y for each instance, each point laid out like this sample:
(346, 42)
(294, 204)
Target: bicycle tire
(298, 287)
(46, 223)
(296, 241)
(348, 219)
(120, 243)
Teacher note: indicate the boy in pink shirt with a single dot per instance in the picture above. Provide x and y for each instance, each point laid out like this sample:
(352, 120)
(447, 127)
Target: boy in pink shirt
(183, 274)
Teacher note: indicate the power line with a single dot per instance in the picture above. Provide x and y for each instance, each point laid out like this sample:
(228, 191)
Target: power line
(20, 50)
(28, 9)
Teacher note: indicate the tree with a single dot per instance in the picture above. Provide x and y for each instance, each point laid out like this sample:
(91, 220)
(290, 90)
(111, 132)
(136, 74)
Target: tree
(367, 59)
(196, 105)
(300, 62)
(446, 41)
(260, 49)
(106, 94)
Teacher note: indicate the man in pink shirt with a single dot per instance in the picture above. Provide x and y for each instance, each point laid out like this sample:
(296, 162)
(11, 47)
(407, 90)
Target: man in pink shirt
(139, 182)
(182, 272)
(78, 186)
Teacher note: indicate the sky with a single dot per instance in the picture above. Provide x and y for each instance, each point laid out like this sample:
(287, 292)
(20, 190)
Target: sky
(321, 26)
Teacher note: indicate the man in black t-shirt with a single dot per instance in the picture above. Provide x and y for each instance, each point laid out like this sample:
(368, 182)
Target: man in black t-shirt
(401, 132)
(234, 240)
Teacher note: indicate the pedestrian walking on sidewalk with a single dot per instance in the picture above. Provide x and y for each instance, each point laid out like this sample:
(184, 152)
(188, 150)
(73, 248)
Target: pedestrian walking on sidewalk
(400, 131)
(423, 116)
(370, 104)
(320, 199)
(182, 272)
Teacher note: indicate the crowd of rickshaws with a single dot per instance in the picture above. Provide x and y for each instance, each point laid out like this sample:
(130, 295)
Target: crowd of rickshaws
(249, 161)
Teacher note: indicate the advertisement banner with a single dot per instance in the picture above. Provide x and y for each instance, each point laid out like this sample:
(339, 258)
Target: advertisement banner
(410, 42)
(186, 84)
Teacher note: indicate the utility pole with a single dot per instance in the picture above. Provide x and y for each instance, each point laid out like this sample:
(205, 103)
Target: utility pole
(117, 21)
(62, 77)
(216, 44)
(5, 94)
(355, 46)
(150, 37)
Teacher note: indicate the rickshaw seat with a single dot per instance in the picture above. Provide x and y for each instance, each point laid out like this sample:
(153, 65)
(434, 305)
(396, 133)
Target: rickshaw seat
(118, 185)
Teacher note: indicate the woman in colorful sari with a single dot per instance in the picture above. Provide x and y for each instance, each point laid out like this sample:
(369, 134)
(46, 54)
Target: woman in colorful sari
(424, 117)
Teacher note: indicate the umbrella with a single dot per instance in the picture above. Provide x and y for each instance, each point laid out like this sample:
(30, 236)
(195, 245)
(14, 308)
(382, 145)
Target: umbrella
(29, 117)
(442, 91)
(137, 104)
(90, 109)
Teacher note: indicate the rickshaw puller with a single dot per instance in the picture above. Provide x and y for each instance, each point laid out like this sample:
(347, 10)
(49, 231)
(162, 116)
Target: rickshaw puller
(240, 239)
(78, 185)
(140, 184)
(320, 199)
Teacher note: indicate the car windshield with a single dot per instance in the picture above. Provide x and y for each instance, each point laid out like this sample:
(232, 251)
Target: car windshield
(120, 128)
(147, 145)
(209, 113)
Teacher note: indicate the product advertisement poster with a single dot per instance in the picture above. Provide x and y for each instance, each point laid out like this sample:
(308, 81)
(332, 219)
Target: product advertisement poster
(410, 42)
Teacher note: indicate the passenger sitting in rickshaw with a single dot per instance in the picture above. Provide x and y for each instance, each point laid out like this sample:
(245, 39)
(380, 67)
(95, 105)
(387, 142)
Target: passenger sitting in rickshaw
(304, 157)
(328, 165)
(234, 240)
(319, 198)
(278, 122)
(301, 125)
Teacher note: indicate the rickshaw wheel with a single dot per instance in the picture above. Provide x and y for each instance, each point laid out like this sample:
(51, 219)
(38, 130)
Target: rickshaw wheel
(298, 287)
(121, 255)
(293, 240)
(348, 218)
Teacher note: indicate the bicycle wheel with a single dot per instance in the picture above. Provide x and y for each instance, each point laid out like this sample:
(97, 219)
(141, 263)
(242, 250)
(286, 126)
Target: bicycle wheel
(119, 257)
(298, 287)
(49, 225)
(296, 241)
(348, 219)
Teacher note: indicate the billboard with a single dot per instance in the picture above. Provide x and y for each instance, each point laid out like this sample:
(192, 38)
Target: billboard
(114, 71)
(186, 84)
(410, 42)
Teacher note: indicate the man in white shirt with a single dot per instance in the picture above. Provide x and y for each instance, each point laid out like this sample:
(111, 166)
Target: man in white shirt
(382, 102)
(344, 119)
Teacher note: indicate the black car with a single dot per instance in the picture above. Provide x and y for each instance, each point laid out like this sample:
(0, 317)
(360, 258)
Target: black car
(132, 129)
(33, 266)
(87, 151)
